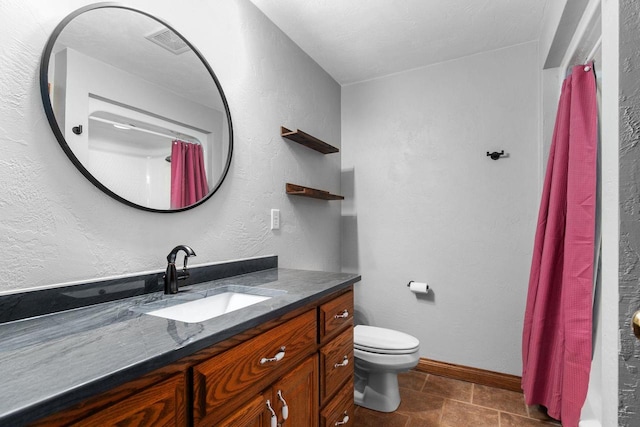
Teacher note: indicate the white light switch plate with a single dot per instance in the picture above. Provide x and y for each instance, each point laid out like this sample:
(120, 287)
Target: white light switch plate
(275, 219)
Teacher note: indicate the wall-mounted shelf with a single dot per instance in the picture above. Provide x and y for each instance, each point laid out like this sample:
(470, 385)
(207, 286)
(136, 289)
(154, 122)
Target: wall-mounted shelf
(299, 190)
(308, 141)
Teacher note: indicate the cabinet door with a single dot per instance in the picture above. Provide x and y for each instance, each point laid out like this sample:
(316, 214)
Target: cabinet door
(252, 414)
(299, 389)
(158, 406)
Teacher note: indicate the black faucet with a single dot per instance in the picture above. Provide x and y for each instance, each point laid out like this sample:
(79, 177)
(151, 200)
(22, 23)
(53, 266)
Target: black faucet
(171, 276)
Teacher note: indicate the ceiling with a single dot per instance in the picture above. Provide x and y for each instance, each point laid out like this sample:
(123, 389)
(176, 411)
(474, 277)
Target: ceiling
(356, 40)
(117, 37)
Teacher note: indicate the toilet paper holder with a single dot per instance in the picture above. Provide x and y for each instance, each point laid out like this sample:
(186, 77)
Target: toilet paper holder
(418, 288)
(412, 281)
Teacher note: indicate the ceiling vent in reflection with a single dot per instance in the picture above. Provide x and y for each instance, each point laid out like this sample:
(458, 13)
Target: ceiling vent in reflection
(169, 40)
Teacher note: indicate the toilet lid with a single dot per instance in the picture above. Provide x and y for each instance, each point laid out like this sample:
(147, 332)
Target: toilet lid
(381, 340)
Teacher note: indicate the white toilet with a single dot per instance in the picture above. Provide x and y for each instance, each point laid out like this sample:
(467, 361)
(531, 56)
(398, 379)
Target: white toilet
(380, 354)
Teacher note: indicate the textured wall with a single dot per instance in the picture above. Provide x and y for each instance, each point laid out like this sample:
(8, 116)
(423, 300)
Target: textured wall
(629, 75)
(551, 79)
(58, 227)
(426, 204)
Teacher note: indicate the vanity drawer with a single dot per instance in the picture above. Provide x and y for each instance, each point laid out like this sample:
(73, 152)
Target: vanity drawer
(160, 405)
(336, 315)
(340, 411)
(221, 383)
(336, 364)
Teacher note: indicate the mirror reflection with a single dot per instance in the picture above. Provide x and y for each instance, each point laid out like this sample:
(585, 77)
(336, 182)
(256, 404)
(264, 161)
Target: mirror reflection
(136, 108)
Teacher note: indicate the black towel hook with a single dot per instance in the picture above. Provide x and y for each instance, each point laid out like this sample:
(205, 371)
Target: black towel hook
(495, 155)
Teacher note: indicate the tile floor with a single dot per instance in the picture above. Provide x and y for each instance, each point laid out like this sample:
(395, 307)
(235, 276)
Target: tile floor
(430, 400)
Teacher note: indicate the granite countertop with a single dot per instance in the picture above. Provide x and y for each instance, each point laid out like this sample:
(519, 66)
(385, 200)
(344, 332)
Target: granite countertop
(52, 361)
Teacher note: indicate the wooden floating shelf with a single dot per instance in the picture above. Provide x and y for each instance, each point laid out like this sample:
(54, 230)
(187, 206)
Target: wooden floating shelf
(308, 141)
(299, 190)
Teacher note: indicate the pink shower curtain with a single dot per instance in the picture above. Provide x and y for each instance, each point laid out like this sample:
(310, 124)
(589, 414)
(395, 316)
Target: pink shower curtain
(188, 176)
(556, 341)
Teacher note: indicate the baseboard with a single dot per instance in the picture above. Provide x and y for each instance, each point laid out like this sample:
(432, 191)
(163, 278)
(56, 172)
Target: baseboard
(474, 375)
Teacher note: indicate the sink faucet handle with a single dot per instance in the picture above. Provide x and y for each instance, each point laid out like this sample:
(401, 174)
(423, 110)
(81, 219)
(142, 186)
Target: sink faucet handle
(185, 273)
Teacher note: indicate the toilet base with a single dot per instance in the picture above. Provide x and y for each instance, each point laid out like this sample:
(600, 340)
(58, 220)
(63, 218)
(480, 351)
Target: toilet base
(379, 391)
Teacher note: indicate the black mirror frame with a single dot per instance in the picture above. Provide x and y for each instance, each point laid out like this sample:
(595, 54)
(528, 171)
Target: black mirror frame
(48, 108)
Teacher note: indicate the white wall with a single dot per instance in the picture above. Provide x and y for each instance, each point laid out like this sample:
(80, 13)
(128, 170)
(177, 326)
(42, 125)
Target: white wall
(58, 227)
(114, 159)
(424, 202)
(551, 81)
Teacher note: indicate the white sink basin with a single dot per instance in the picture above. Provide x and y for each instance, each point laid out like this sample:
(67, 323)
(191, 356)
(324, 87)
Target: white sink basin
(207, 308)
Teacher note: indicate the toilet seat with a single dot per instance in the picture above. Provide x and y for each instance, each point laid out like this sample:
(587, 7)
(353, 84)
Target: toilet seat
(373, 339)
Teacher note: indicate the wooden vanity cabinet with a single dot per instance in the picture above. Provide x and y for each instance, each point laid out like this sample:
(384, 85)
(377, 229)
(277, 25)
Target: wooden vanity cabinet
(298, 391)
(323, 379)
(304, 358)
(336, 361)
(156, 399)
(160, 405)
(222, 383)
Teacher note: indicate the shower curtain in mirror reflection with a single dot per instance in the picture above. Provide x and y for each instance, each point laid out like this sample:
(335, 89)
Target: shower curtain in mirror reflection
(188, 176)
(556, 341)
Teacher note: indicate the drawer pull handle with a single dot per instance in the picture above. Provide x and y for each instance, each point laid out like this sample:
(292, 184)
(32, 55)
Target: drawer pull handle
(342, 315)
(285, 407)
(274, 418)
(342, 364)
(344, 421)
(278, 357)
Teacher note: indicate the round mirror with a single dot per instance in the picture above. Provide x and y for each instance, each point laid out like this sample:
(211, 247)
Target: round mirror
(136, 108)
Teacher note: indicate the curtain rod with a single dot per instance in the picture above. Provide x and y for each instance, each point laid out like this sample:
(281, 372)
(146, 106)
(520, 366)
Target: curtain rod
(132, 127)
